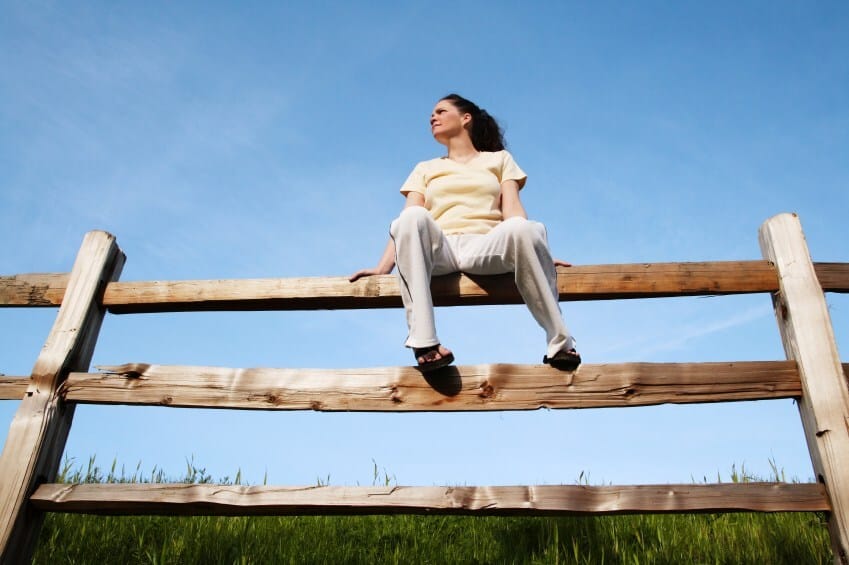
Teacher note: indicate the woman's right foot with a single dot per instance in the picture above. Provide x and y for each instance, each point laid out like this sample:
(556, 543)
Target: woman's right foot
(433, 357)
(563, 360)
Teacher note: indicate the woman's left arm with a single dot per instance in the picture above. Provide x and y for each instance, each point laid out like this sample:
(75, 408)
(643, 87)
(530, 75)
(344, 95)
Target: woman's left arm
(511, 204)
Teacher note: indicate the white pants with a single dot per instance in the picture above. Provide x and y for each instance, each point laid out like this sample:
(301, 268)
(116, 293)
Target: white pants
(515, 245)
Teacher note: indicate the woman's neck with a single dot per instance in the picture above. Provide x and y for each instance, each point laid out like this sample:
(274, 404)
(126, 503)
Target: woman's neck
(461, 148)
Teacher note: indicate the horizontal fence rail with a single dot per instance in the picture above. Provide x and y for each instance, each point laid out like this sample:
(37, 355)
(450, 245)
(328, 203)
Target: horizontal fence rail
(587, 282)
(13, 388)
(477, 387)
(40, 289)
(833, 277)
(574, 283)
(205, 499)
(405, 389)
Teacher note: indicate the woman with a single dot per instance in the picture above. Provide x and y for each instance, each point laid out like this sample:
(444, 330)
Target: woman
(463, 213)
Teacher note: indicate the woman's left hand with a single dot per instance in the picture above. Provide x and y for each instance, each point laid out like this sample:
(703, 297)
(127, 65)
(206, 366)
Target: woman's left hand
(561, 263)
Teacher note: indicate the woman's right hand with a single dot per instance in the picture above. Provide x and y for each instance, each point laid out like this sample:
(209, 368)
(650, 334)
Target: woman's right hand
(387, 260)
(367, 273)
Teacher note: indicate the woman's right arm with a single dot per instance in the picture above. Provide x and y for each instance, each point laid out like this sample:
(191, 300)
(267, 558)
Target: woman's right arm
(387, 260)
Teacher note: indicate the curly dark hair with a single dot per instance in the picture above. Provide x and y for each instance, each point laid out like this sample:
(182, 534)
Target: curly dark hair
(485, 132)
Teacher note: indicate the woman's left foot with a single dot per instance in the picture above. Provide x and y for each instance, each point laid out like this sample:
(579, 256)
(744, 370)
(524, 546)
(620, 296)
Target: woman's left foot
(432, 358)
(563, 360)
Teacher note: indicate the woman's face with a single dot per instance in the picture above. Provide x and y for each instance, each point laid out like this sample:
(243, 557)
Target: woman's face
(446, 121)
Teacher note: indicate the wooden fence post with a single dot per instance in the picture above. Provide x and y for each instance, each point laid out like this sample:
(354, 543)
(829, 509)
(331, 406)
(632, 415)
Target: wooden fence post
(808, 338)
(38, 432)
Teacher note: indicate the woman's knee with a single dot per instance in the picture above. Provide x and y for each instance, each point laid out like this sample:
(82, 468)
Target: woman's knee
(411, 217)
(525, 230)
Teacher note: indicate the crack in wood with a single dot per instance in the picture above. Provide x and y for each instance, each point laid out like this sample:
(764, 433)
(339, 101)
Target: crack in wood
(487, 391)
(390, 492)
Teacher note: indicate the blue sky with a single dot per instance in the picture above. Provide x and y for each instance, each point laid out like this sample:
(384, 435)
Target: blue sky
(218, 140)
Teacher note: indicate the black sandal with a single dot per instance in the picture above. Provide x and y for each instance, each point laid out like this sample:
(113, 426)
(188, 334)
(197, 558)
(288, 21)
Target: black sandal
(435, 364)
(563, 360)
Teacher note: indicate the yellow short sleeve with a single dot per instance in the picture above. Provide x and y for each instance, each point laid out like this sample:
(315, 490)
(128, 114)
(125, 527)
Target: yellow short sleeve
(415, 182)
(511, 171)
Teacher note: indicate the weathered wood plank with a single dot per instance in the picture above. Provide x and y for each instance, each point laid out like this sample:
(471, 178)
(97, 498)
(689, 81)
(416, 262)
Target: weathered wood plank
(808, 338)
(651, 280)
(206, 499)
(833, 277)
(38, 289)
(590, 282)
(404, 389)
(38, 432)
(13, 388)
(90, 385)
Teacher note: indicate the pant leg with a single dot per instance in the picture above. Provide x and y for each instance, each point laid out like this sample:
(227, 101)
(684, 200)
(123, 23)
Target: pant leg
(421, 251)
(521, 246)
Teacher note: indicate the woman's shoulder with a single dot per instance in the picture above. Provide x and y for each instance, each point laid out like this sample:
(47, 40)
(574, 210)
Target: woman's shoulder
(431, 163)
(487, 158)
(499, 155)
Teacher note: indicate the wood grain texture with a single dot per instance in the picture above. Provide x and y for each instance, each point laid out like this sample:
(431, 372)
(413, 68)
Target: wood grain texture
(90, 385)
(833, 277)
(38, 432)
(808, 338)
(206, 499)
(464, 388)
(587, 282)
(38, 289)
(591, 282)
(13, 388)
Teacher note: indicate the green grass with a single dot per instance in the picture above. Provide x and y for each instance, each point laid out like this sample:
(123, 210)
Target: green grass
(793, 538)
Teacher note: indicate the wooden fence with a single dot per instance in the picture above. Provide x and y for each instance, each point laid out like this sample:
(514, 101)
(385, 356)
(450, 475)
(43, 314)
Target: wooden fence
(812, 374)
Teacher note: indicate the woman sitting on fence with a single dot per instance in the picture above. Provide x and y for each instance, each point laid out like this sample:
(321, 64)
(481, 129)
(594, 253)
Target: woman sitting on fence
(463, 213)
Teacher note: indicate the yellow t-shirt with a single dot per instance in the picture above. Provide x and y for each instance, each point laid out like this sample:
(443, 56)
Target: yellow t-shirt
(464, 197)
